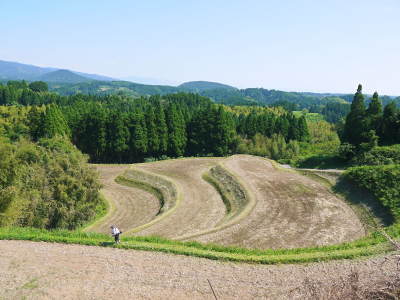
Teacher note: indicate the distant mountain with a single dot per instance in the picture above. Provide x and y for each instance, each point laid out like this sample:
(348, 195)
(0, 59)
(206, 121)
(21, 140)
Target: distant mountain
(95, 76)
(149, 81)
(63, 76)
(199, 86)
(17, 71)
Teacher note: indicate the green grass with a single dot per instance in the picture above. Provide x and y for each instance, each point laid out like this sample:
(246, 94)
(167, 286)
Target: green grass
(312, 117)
(373, 244)
(101, 211)
(145, 187)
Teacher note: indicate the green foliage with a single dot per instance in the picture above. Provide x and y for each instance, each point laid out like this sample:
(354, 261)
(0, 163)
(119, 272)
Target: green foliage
(39, 86)
(365, 128)
(333, 112)
(355, 120)
(322, 150)
(311, 117)
(46, 185)
(381, 181)
(211, 131)
(275, 147)
(122, 129)
(385, 155)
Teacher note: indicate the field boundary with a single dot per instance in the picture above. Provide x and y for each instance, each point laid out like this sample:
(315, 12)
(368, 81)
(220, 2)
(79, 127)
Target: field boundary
(109, 210)
(226, 197)
(372, 245)
(171, 195)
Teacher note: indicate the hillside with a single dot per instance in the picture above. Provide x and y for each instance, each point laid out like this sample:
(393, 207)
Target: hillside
(18, 71)
(112, 87)
(296, 217)
(64, 76)
(199, 86)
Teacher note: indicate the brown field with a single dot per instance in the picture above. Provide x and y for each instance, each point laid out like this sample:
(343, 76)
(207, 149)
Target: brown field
(129, 207)
(201, 206)
(31, 270)
(290, 210)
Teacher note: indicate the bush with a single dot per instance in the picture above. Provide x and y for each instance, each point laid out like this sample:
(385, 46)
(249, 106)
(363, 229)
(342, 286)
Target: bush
(382, 181)
(379, 156)
(46, 185)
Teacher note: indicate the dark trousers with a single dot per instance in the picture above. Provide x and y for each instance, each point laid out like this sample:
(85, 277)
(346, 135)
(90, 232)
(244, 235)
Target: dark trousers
(116, 238)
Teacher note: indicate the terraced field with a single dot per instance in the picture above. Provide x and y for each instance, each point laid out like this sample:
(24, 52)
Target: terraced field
(246, 201)
(129, 207)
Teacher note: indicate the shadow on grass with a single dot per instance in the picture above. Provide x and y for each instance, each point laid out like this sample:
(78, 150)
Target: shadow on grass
(361, 197)
(322, 162)
(107, 244)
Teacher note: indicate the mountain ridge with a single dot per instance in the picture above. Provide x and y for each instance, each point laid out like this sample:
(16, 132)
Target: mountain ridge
(10, 70)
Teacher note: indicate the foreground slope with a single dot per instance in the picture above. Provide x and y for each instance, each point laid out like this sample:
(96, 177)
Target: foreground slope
(59, 271)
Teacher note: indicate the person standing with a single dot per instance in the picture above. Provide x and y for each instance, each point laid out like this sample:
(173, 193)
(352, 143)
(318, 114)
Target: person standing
(115, 232)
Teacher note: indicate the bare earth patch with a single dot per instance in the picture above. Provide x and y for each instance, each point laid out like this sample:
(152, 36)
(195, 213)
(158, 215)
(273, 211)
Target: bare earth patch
(57, 271)
(291, 210)
(131, 207)
(200, 208)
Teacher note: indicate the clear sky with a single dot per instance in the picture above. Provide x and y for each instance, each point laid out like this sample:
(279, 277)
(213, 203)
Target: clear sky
(293, 45)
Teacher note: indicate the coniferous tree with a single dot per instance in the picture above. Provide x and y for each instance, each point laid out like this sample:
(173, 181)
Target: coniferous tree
(138, 136)
(304, 135)
(54, 122)
(176, 131)
(93, 138)
(117, 137)
(355, 120)
(35, 120)
(390, 124)
(153, 140)
(374, 113)
(162, 129)
(222, 135)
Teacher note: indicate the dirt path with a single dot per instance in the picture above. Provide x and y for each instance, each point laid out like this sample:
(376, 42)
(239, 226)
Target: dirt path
(291, 210)
(131, 207)
(201, 206)
(58, 271)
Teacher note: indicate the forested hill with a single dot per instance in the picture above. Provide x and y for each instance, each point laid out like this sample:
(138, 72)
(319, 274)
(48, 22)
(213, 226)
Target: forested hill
(63, 76)
(65, 82)
(228, 96)
(198, 86)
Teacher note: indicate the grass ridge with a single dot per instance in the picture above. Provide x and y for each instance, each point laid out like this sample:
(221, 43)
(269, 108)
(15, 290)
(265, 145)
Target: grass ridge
(372, 245)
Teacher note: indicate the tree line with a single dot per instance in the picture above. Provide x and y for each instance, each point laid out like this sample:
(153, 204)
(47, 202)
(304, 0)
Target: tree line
(366, 127)
(117, 128)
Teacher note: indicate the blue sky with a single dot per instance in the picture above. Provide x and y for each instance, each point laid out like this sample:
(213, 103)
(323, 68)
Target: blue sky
(293, 45)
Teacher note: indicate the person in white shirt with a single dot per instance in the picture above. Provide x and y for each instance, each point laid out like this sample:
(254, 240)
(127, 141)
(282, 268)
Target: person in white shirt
(115, 232)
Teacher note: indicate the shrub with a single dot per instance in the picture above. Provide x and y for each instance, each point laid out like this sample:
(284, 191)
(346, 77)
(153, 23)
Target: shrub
(46, 185)
(381, 181)
(379, 156)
